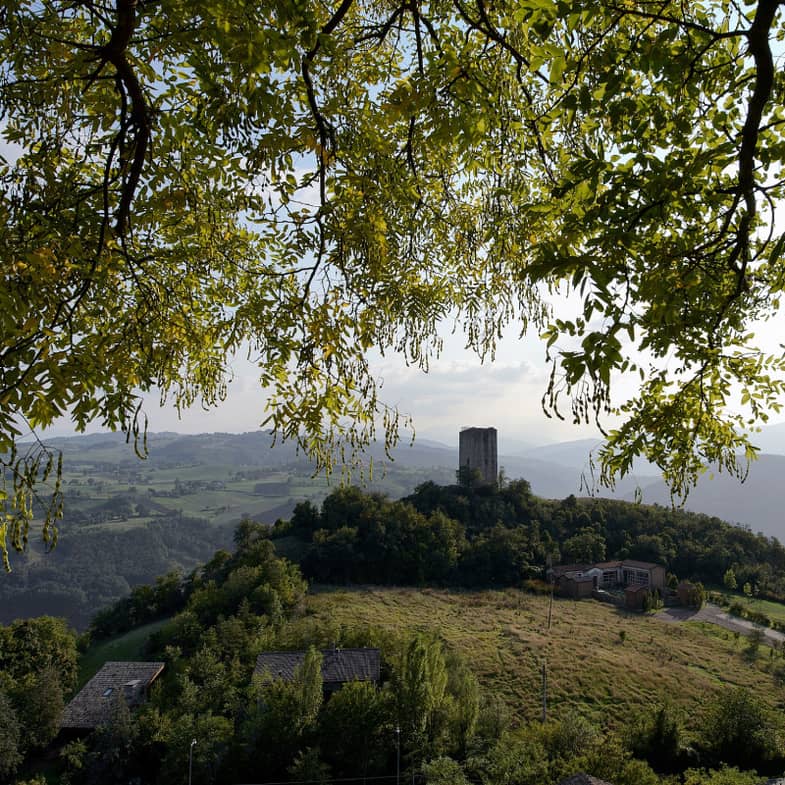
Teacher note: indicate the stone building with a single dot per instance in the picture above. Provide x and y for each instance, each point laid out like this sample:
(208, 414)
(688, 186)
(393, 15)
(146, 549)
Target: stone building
(477, 451)
(94, 703)
(577, 580)
(339, 666)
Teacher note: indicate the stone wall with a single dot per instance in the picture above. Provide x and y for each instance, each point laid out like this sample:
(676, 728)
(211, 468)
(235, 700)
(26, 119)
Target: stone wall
(478, 450)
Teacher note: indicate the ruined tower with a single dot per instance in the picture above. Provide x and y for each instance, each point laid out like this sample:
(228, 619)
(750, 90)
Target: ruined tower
(477, 451)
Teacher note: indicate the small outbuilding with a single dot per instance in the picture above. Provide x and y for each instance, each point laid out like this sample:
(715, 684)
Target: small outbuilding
(339, 666)
(635, 597)
(577, 587)
(92, 706)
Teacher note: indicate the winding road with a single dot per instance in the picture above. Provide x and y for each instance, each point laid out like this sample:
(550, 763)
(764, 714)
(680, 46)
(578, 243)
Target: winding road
(715, 615)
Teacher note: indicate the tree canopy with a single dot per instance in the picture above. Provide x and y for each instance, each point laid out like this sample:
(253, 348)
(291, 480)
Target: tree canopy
(306, 181)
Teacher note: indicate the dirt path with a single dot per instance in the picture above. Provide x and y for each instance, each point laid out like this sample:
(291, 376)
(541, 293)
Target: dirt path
(715, 615)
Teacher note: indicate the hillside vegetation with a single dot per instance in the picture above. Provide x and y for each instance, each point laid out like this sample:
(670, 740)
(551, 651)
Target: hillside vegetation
(603, 662)
(632, 699)
(127, 520)
(475, 535)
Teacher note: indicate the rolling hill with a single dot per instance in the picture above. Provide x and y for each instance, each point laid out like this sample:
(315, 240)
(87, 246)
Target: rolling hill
(128, 520)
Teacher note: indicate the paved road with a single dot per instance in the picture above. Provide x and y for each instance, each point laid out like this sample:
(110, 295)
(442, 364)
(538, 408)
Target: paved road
(715, 615)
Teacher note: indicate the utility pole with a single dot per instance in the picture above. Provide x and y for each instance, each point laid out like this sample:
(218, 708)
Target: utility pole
(550, 607)
(191, 759)
(548, 562)
(544, 692)
(398, 757)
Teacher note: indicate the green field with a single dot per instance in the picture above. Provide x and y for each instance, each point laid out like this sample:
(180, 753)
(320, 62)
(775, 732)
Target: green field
(90, 487)
(601, 661)
(125, 647)
(774, 610)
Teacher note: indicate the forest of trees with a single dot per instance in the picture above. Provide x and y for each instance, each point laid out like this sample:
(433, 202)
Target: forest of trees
(94, 566)
(319, 181)
(450, 730)
(474, 535)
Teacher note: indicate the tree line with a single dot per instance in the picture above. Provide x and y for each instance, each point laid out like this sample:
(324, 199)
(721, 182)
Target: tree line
(429, 706)
(476, 535)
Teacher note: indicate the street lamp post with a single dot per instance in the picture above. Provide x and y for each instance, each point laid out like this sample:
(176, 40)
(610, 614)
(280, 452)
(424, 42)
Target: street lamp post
(398, 756)
(191, 759)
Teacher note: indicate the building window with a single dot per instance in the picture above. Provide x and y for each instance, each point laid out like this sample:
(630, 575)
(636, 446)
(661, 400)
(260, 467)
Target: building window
(636, 577)
(108, 691)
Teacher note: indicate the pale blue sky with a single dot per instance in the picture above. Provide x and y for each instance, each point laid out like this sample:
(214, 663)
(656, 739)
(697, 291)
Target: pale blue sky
(458, 391)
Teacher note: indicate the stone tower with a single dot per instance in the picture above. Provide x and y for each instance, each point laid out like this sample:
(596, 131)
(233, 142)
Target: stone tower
(477, 450)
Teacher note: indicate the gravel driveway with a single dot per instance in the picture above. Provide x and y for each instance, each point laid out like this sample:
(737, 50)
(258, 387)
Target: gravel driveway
(715, 615)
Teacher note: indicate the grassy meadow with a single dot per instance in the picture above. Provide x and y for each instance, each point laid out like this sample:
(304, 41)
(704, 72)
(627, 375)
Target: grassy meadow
(602, 661)
(124, 647)
(774, 610)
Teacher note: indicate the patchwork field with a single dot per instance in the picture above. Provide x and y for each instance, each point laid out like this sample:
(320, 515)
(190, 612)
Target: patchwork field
(602, 661)
(127, 520)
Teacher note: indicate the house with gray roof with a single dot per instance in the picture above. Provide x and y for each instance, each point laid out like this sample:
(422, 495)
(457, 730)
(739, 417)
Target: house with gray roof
(92, 706)
(338, 666)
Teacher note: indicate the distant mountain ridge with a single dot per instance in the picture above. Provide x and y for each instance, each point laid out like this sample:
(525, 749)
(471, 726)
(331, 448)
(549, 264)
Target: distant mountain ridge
(128, 520)
(757, 502)
(553, 470)
(550, 478)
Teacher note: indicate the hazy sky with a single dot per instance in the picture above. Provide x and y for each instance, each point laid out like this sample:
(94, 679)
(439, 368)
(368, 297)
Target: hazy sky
(458, 391)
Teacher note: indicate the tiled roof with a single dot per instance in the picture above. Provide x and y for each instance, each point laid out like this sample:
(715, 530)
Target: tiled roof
(640, 565)
(563, 569)
(338, 665)
(583, 779)
(92, 705)
(635, 588)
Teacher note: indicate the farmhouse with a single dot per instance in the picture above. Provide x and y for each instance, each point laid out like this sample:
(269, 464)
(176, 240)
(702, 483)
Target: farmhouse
(92, 706)
(338, 666)
(579, 580)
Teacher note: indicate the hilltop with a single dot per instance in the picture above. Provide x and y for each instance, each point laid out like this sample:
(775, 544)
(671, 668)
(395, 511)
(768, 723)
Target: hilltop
(128, 520)
(632, 699)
